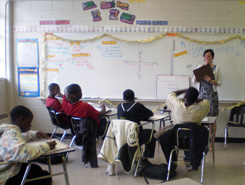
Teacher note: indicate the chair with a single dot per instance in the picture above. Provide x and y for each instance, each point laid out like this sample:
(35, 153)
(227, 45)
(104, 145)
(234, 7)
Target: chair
(121, 145)
(236, 120)
(84, 134)
(183, 143)
(59, 120)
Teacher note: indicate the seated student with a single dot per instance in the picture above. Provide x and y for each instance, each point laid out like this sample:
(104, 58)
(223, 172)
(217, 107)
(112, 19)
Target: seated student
(189, 109)
(137, 112)
(74, 107)
(14, 147)
(54, 90)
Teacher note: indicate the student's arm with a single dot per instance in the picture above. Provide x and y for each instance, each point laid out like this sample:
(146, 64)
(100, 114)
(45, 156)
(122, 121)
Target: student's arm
(30, 135)
(143, 113)
(20, 150)
(59, 94)
(179, 92)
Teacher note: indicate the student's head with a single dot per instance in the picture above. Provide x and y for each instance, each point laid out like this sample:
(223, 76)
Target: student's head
(53, 89)
(21, 116)
(128, 95)
(191, 95)
(73, 93)
(208, 56)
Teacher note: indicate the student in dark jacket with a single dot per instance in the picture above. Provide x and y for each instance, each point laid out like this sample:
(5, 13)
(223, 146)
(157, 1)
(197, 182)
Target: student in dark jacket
(137, 112)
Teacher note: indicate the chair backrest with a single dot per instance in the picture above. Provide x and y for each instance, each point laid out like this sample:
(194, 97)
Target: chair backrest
(183, 138)
(59, 119)
(76, 121)
(237, 115)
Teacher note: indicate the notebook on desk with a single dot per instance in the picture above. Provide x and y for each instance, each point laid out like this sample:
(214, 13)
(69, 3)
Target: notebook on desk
(202, 71)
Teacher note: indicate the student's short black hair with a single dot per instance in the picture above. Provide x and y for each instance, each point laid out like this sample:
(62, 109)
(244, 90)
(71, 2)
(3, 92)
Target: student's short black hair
(73, 89)
(19, 111)
(191, 94)
(52, 86)
(128, 95)
(208, 50)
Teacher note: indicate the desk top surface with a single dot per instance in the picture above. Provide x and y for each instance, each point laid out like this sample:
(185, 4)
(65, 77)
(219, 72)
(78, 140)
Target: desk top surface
(158, 117)
(209, 120)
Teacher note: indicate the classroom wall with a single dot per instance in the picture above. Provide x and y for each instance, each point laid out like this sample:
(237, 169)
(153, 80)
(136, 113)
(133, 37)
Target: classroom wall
(2, 38)
(2, 96)
(227, 13)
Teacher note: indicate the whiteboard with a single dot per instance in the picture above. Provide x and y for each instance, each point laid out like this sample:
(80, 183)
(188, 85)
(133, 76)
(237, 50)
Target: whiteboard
(228, 56)
(167, 84)
(105, 71)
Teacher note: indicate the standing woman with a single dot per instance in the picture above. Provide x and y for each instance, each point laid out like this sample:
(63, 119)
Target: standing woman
(208, 87)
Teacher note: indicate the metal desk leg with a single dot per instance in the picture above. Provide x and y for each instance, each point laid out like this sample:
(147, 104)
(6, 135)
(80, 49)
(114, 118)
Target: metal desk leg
(49, 165)
(26, 173)
(213, 140)
(161, 124)
(65, 169)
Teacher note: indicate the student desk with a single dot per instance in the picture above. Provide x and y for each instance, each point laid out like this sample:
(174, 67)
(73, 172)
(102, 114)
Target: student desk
(111, 113)
(160, 117)
(65, 173)
(166, 118)
(210, 122)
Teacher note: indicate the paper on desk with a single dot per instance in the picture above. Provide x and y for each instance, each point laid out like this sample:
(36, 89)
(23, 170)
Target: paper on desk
(205, 119)
(107, 109)
(58, 147)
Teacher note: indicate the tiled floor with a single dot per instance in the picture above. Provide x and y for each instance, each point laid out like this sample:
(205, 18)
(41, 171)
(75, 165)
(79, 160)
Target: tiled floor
(229, 170)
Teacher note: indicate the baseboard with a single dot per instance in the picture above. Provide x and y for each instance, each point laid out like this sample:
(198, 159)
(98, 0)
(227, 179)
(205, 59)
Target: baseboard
(230, 140)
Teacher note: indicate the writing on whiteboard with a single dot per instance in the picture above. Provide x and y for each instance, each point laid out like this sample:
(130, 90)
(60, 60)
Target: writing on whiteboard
(139, 63)
(167, 84)
(196, 50)
(110, 51)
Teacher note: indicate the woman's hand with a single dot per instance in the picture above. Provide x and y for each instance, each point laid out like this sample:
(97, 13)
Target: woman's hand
(41, 135)
(195, 79)
(207, 78)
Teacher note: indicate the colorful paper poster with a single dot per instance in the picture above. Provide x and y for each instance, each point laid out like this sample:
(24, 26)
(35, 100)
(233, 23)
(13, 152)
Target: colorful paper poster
(27, 53)
(28, 79)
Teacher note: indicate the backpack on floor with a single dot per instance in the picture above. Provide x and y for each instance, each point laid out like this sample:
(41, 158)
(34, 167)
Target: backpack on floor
(157, 172)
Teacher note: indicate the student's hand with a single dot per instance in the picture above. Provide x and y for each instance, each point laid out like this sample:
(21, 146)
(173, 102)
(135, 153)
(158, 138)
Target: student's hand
(52, 144)
(41, 135)
(207, 78)
(70, 97)
(59, 94)
(102, 112)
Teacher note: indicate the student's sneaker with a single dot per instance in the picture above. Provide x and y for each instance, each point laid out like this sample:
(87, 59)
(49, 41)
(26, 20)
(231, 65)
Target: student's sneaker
(144, 163)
